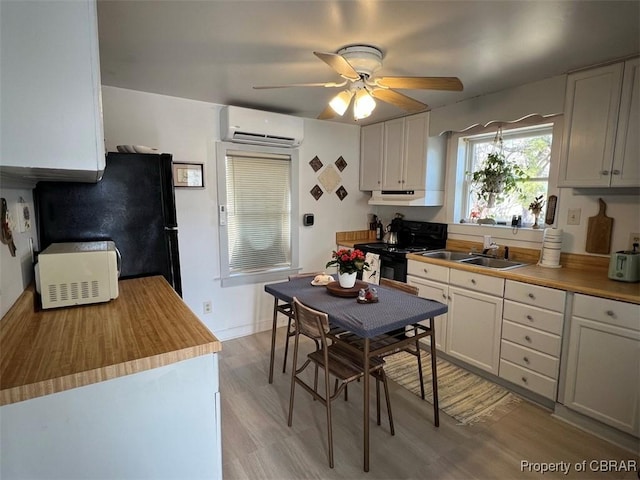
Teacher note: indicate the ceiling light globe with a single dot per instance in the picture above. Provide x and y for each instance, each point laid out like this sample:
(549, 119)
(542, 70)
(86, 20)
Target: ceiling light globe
(363, 105)
(341, 102)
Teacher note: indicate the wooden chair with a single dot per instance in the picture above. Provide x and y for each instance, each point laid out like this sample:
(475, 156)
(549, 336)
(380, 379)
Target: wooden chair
(287, 310)
(343, 364)
(388, 340)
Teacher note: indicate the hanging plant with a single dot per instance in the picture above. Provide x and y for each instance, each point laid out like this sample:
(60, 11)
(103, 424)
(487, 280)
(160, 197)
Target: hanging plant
(497, 176)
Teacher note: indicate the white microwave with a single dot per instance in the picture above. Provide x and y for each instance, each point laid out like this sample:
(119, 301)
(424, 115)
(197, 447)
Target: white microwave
(77, 273)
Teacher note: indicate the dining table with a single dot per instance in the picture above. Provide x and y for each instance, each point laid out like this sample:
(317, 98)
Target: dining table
(394, 310)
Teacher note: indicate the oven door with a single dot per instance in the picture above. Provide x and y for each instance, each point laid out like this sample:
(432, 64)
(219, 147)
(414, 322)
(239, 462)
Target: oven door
(393, 267)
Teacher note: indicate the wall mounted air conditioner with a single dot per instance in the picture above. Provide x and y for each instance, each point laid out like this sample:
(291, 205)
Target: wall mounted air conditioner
(243, 125)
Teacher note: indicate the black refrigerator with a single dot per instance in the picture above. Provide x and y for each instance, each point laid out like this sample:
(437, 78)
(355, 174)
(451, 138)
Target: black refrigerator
(133, 205)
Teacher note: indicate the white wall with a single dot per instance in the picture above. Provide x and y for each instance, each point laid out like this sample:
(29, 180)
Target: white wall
(189, 129)
(16, 272)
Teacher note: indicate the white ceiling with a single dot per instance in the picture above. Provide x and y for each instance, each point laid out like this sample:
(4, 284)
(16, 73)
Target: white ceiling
(217, 50)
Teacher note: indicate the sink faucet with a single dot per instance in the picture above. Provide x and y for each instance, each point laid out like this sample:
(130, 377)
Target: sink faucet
(489, 246)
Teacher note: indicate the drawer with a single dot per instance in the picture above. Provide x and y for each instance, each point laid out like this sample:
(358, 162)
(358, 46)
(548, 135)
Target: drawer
(428, 270)
(528, 379)
(533, 317)
(542, 297)
(533, 360)
(612, 312)
(477, 282)
(531, 338)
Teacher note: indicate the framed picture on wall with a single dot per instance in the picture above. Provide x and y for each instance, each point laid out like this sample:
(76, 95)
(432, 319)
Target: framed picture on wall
(190, 175)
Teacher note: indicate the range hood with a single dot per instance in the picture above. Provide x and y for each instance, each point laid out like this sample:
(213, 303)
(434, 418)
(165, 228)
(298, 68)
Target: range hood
(408, 198)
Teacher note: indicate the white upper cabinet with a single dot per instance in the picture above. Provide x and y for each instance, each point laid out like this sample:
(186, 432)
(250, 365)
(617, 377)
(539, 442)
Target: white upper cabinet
(405, 145)
(398, 156)
(50, 88)
(371, 154)
(601, 111)
(626, 158)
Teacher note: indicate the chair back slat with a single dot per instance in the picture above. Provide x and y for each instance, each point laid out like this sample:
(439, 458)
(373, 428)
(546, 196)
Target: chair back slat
(310, 322)
(405, 287)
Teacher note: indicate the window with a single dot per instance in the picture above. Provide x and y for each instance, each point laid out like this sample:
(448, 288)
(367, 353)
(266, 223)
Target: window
(257, 241)
(530, 149)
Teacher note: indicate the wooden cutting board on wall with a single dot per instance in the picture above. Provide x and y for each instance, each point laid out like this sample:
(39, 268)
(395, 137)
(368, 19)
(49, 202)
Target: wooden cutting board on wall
(599, 231)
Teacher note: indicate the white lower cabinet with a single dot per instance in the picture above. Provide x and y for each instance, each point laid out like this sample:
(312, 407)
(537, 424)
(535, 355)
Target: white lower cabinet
(532, 337)
(434, 291)
(432, 283)
(158, 423)
(603, 365)
(475, 319)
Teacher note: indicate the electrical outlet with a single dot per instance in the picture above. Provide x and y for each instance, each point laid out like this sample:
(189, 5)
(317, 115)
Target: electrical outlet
(573, 216)
(207, 307)
(633, 238)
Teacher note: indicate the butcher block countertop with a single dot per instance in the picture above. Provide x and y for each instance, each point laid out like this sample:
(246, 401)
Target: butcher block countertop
(49, 351)
(579, 280)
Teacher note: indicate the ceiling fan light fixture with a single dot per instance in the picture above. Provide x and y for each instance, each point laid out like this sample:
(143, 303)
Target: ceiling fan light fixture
(363, 105)
(341, 102)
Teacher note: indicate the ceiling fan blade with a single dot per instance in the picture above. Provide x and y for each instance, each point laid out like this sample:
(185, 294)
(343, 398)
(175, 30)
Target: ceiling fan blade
(339, 64)
(327, 113)
(422, 83)
(319, 84)
(398, 99)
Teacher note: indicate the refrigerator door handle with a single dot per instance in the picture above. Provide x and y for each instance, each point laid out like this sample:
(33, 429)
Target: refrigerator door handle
(170, 229)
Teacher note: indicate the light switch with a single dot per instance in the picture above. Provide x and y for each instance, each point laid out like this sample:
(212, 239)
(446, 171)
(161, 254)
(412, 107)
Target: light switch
(573, 216)
(22, 217)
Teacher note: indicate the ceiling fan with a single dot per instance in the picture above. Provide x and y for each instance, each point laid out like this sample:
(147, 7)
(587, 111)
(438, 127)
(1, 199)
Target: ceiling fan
(356, 65)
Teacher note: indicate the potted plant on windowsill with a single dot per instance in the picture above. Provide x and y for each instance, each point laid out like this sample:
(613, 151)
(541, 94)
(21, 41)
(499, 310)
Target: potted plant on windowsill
(497, 176)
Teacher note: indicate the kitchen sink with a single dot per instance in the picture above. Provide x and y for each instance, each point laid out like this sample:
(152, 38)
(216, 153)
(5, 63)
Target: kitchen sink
(496, 263)
(447, 255)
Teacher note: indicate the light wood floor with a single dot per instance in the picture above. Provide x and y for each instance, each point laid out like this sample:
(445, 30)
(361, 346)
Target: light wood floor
(258, 444)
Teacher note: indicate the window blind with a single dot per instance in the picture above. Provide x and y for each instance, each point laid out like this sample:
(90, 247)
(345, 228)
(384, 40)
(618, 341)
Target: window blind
(258, 211)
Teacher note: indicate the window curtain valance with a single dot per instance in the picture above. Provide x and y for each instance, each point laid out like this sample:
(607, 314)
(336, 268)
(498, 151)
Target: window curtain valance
(544, 98)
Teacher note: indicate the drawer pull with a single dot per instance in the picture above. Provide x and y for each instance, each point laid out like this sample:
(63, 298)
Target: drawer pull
(611, 313)
(524, 379)
(532, 296)
(530, 318)
(526, 360)
(473, 281)
(425, 270)
(527, 338)
(444, 296)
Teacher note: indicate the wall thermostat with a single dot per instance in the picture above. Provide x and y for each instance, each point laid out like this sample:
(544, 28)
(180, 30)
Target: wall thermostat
(307, 219)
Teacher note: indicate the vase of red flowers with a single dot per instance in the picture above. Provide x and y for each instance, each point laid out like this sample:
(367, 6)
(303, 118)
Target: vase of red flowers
(349, 263)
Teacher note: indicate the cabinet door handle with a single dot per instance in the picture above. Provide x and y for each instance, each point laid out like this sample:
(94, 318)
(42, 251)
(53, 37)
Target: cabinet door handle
(473, 281)
(525, 359)
(605, 172)
(524, 379)
(448, 297)
(532, 296)
(425, 270)
(527, 338)
(611, 313)
(615, 172)
(444, 296)
(530, 318)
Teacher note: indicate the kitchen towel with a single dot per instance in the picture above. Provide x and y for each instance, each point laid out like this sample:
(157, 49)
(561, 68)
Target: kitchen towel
(373, 274)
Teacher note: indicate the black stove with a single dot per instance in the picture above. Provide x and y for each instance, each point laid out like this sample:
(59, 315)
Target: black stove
(412, 237)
